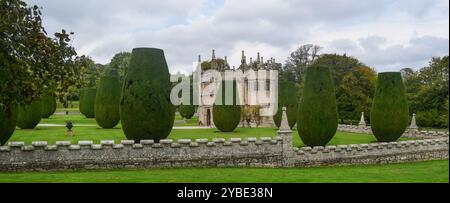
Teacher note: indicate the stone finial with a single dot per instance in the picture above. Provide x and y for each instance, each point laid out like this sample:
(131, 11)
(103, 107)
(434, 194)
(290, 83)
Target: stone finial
(199, 58)
(413, 125)
(213, 54)
(242, 57)
(362, 122)
(251, 60)
(226, 61)
(284, 126)
(262, 60)
(258, 58)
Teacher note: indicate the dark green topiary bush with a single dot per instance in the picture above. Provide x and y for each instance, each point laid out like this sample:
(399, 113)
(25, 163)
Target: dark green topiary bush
(317, 114)
(107, 100)
(287, 97)
(186, 111)
(226, 117)
(389, 117)
(146, 111)
(30, 115)
(87, 102)
(8, 118)
(48, 106)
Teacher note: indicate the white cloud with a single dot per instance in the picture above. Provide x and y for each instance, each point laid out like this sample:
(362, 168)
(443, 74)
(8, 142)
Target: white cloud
(384, 34)
(375, 52)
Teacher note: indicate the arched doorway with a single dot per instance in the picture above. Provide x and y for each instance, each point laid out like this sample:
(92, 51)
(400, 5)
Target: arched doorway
(208, 117)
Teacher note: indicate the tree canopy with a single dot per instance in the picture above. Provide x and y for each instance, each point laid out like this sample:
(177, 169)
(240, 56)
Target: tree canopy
(354, 81)
(427, 92)
(31, 62)
(89, 71)
(120, 62)
(296, 64)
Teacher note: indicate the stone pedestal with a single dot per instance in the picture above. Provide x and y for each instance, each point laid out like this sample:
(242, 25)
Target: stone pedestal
(285, 134)
(362, 122)
(413, 128)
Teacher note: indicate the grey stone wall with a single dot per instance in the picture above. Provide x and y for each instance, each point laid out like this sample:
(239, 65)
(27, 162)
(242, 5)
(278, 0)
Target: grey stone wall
(234, 152)
(374, 153)
(410, 133)
(264, 152)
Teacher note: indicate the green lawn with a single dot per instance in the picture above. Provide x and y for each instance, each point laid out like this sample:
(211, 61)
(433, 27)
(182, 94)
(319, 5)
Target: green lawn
(53, 134)
(82, 120)
(78, 119)
(72, 107)
(427, 171)
(189, 122)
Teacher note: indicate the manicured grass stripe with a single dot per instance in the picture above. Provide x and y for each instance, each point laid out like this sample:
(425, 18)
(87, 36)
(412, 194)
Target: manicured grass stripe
(421, 172)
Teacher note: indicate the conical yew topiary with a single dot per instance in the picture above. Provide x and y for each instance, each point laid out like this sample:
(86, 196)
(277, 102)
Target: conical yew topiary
(317, 117)
(186, 111)
(389, 116)
(87, 101)
(146, 111)
(287, 97)
(226, 117)
(29, 115)
(8, 118)
(48, 106)
(107, 100)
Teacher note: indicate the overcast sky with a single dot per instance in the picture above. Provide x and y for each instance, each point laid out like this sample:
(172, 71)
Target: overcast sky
(387, 35)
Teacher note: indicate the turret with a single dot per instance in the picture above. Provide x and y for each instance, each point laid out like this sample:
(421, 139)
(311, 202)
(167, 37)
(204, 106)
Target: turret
(258, 60)
(243, 61)
(227, 67)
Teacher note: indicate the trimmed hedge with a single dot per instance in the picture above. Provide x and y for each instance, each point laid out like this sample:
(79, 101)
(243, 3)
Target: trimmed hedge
(48, 106)
(287, 97)
(107, 101)
(389, 116)
(186, 111)
(317, 114)
(8, 118)
(226, 117)
(87, 101)
(145, 108)
(30, 115)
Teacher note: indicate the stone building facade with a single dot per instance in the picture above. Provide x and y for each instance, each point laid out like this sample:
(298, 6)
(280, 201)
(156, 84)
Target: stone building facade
(250, 89)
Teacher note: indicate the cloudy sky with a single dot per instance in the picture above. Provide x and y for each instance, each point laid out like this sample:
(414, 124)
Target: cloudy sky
(385, 34)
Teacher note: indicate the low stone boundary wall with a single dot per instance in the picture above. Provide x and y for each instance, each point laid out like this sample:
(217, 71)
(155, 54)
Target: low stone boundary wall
(234, 152)
(422, 134)
(264, 152)
(374, 153)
